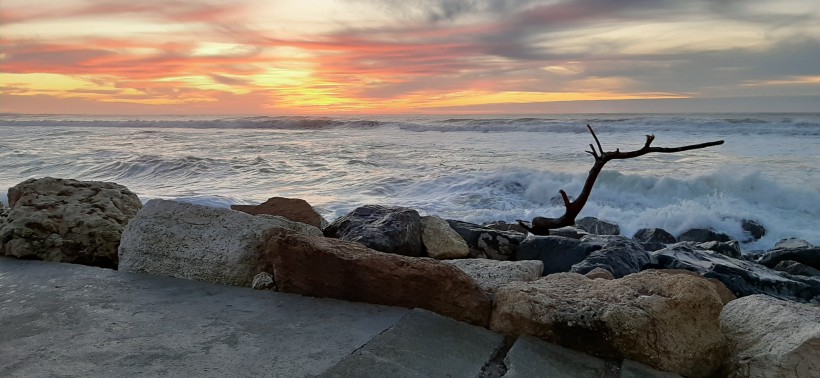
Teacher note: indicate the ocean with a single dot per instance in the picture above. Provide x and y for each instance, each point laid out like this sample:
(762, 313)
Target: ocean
(471, 168)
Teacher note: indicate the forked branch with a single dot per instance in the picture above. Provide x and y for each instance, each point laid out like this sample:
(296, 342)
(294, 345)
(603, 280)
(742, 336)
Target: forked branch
(542, 225)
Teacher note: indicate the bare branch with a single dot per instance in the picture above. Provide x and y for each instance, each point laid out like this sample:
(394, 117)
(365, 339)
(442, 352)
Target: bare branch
(600, 149)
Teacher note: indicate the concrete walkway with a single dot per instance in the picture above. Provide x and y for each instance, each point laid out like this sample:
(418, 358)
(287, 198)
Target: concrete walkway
(71, 320)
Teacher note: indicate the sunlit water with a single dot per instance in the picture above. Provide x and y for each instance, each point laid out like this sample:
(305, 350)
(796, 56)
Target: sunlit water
(470, 168)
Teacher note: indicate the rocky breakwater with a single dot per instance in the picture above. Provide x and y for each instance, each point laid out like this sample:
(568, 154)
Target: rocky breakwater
(66, 220)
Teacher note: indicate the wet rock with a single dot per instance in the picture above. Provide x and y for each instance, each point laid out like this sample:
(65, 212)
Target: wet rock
(65, 220)
(619, 257)
(556, 252)
(490, 274)
(485, 242)
(569, 232)
(294, 209)
(805, 255)
(796, 268)
(383, 228)
(655, 235)
(504, 226)
(753, 228)
(730, 248)
(702, 235)
(792, 243)
(441, 241)
(598, 227)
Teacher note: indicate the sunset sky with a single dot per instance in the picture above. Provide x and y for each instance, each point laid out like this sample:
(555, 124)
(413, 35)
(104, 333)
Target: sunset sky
(408, 56)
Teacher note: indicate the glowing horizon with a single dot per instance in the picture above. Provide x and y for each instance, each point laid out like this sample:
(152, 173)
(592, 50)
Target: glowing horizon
(362, 56)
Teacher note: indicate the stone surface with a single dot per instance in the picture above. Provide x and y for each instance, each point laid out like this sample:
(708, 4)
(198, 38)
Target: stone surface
(701, 235)
(655, 235)
(632, 369)
(440, 240)
(504, 226)
(65, 320)
(383, 228)
(723, 292)
(599, 273)
(490, 274)
(808, 256)
(753, 228)
(772, 338)
(198, 242)
(263, 281)
(325, 267)
(531, 357)
(667, 321)
(618, 256)
(556, 252)
(740, 276)
(598, 227)
(792, 243)
(569, 232)
(730, 248)
(294, 209)
(796, 268)
(67, 220)
(422, 344)
(486, 242)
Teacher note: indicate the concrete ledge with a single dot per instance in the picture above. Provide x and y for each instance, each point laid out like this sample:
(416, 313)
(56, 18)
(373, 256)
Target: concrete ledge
(531, 357)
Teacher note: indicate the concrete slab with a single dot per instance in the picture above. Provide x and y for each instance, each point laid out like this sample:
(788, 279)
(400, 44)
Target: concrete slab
(73, 320)
(632, 369)
(423, 344)
(532, 357)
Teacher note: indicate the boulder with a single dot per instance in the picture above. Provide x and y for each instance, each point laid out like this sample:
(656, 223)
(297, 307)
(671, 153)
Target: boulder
(65, 220)
(667, 321)
(740, 276)
(753, 228)
(485, 242)
(504, 226)
(383, 228)
(197, 242)
(599, 273)
(796, 268)
(331, 268)
(619, 257)
(569, 232)
(556, 252)
(655, 235)
(792, 243)
(771, 338)
(730, 248)
(294, 209)
(263, 281)
(807, 256)
(702, 235)
(441, 241)
(723, 292)
(490, 274)
(598, 227)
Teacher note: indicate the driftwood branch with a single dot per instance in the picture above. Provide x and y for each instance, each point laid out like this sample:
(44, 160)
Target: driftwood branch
(542, 225)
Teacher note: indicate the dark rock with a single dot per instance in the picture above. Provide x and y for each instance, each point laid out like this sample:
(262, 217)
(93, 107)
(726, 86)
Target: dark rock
(383, 228)
(485, 242)
(796, 268)
(556, 252)
(619, 257)
(730, 248)
(741, 277)
(504, 226)
(569, 232)
(655, 235)
(702, 235)
(806, 256)
(652, 246)
(598, 227)
(753, 228)
(294, 209)
(792, 243)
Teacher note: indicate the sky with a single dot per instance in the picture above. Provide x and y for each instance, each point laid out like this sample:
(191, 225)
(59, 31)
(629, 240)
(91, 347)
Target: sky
(408, 56)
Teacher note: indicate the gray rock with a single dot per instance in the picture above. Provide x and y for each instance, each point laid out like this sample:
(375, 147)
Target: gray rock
(730, 248)
(598, 227)
(792, 243)
(197, 242)
(807, 255)
(740, 276)
(531, 357)
(490, 274)
(263, 281)
(383, 228)
(67, 220)
(632, 369)
(486, 242)
(796, 268)
(655, 235)
(504, 226)
(569, 232)
(771, 337)
(702, 235)
(753, 228)
(619, 257)
(556, 252)
(440, 240)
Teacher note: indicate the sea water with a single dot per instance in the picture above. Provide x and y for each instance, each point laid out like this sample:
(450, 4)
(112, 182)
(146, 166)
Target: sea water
(471, 168)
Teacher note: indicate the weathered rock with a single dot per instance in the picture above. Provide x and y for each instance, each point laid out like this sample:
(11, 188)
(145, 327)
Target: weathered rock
(796, 268)
(740, 276)
(65, 220)
(655, 235)
(702, 235)
(771, 338)
(598, 227)
(324, 267)
(723, 292)
(441, 241)
(619, 257)
(792, 243)
(383, 228)
(263, 281)
(599, 273)
(753, 228)
(556, 252)
(485, 242)
(197, 242)
(807, 256)
(569, 232)
(490, 274)
(504, 226)
(730, 248)
(667, 321)
(294, 209)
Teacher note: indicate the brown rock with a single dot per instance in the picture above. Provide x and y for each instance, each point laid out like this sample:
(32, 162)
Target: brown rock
(723, 292)
(325, 267)
(441, 241)
(667, 321)
(294, 209)
(600, 273)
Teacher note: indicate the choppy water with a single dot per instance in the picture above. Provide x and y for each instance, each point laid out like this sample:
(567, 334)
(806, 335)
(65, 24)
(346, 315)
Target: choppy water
(471, 168)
